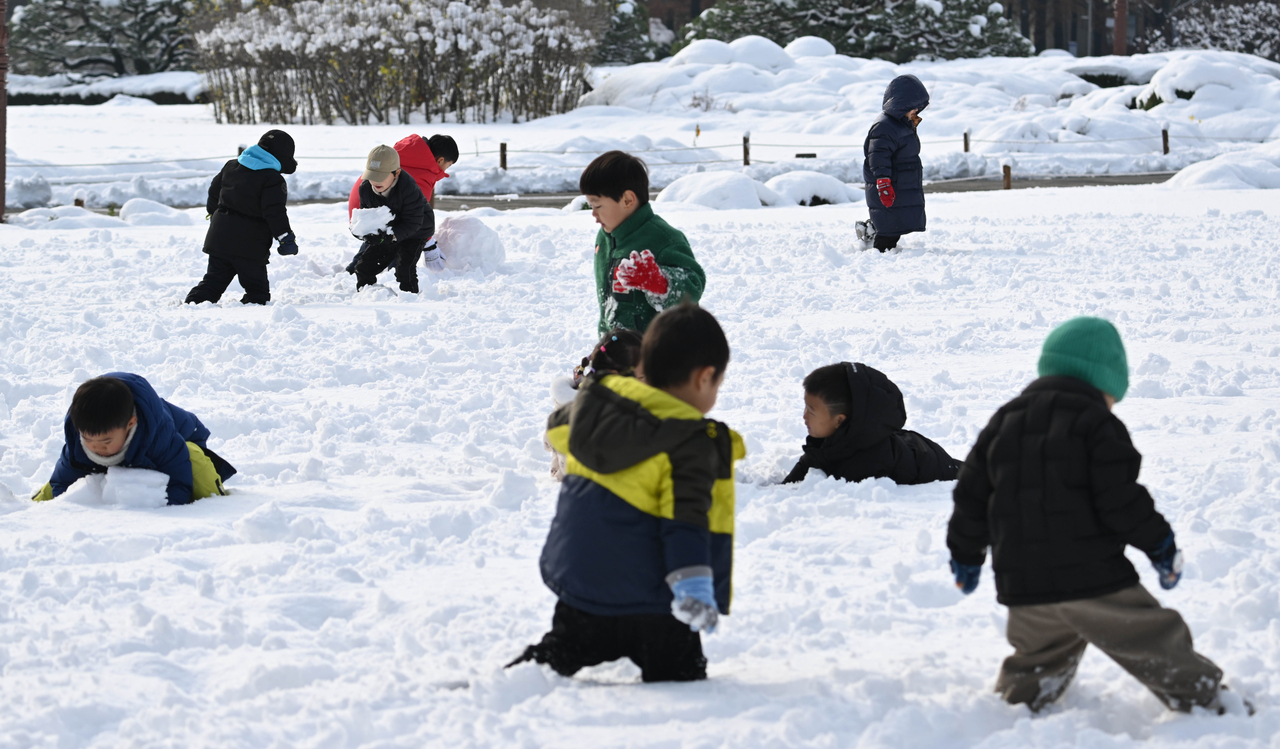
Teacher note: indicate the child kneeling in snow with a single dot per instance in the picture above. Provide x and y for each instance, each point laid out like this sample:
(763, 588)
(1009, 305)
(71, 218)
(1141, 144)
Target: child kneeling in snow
(855, 415)
(246, 213)
(891, 168)
(640, 552)
(118, 419)
(427, 160)
(617, 353)
(402, 237)
(642, 264)
(1052, 487)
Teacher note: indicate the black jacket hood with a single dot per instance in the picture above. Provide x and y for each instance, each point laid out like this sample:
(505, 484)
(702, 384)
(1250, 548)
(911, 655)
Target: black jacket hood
(904, 94)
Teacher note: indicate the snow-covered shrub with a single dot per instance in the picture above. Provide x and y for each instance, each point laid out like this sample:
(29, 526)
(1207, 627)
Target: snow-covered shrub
(898, 30)
(628, 39)
(101, 37)
(329, 60)
(1252, 28)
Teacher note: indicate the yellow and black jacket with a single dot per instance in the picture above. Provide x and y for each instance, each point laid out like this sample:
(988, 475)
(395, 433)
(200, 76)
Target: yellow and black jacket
(648, 491)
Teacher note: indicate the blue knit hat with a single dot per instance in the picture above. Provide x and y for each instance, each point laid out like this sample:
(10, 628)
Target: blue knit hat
(1089, 349)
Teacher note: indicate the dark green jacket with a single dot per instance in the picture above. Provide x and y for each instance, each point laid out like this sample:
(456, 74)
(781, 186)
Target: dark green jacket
(644, 230)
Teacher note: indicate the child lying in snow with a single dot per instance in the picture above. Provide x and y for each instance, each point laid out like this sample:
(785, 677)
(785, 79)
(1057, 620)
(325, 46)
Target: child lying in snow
(617, 353)
(118, 419)
(855, 416)
(642, 264)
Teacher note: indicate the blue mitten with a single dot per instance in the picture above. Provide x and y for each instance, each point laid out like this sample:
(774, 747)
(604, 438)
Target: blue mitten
(695, 598)
(967, 576)
(1167, 559)
(288, 244)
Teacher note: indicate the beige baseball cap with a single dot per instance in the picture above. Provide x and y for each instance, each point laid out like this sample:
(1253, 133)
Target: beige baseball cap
(383, 160)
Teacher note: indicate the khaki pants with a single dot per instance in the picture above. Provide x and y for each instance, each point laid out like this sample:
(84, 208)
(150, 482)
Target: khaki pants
(1147, 640)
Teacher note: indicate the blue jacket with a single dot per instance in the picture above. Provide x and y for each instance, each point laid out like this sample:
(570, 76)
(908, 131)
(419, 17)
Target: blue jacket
(649, 491)
(159, 443)
(892, 150)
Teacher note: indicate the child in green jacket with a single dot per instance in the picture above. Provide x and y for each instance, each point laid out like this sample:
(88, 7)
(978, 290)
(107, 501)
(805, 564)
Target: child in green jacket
(642, 264)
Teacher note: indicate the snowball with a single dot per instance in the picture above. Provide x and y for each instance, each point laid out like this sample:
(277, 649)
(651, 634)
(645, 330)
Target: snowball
(143, 212)
(704, 52)
(467, 243)
(718, 190)
(85, 491)
(810, 46)
(761, 53)
(801, 187)
(366, 221)
(135, 487)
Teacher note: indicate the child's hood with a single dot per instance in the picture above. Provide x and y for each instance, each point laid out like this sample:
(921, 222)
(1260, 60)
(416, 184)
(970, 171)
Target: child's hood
(258, 158)
(154, 417)
(877, 409)
(617, 422)
(904, 94)
(416, 157)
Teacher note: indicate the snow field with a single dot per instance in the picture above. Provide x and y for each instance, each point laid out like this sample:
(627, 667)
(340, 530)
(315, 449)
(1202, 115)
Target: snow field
(376, 562)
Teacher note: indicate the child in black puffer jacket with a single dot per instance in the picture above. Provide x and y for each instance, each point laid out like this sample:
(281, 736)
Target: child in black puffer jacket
(891, 169)
(855, 416)
(246, 214)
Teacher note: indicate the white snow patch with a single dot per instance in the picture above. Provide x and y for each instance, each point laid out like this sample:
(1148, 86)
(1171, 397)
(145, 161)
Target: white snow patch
(801, 188)
(718, 190)
(143, 212)
(367, 221)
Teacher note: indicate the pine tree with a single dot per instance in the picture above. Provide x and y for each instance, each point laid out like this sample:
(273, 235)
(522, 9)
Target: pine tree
(1252, 28)
(101, 37)
(627, 39)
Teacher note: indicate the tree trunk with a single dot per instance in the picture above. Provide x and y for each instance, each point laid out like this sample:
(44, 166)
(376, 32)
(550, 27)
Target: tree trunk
(1121, 40)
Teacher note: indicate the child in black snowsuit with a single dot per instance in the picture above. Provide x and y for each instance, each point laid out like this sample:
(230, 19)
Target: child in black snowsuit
(412, 228)
(855, 416)
(246, 214)
(1052, 487)
(891, 169)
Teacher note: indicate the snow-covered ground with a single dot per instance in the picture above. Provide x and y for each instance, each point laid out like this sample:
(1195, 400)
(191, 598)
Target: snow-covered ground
(1042, 116)
(376, 562)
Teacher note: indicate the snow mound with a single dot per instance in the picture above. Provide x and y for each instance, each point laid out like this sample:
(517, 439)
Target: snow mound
(366, 221)
(1255, 169)
(467, 243)
(64, 217)
(27, 192)
(810, 46)
(761, 53)
(137, 488)
(704, 52)
(125, 100)
(722, 191)
(811, 188)
(143, 212)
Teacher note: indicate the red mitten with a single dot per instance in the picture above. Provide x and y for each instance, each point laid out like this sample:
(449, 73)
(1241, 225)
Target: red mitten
(885, 187)
(640, 271)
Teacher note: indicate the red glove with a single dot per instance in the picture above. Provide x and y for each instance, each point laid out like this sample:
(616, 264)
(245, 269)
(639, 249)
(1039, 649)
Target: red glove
(886, 191)
(640, 271)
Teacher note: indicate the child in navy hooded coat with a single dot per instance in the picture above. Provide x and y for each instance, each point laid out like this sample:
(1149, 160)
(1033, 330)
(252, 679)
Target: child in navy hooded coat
(892, 171)
(246, 214)
(118, 419)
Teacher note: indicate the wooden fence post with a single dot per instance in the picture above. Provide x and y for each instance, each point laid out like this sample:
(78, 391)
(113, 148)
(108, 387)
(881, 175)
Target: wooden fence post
(966, 140)
(502, 156)
(1008, 177)
(1164, 136)
(746, 149)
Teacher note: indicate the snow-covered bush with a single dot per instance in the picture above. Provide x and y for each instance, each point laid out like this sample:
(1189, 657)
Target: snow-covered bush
(628, 39)
(898, 30)
(329, 60)
(101, 37)
(1252, 28)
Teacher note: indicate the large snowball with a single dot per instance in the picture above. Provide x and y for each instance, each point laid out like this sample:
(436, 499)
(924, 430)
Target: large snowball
(467, 243)
(761, 53)
(800, 188)
(718, 190)
(366, 221)
(810, 46)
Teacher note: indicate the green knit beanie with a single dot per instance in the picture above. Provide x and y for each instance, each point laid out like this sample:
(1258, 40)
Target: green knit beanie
(1089, 349)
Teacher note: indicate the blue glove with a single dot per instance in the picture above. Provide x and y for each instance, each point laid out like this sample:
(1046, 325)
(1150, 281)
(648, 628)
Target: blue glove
(288, 244)
(1167, 560)
(966, 576)
(695, 602)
